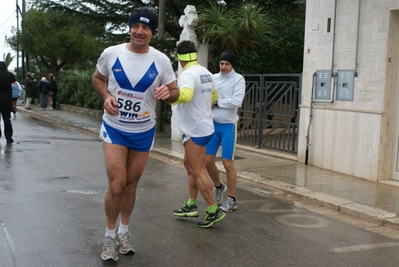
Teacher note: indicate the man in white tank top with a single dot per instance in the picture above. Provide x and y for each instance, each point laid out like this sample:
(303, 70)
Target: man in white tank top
(137, 76)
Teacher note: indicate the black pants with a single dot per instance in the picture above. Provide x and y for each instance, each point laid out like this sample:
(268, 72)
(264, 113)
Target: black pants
(6, 117)
(43, 100)
(54, 100)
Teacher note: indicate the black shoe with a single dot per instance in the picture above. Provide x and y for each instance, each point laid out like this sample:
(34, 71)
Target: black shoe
(186, 211)
(212, 218)
(10, 141)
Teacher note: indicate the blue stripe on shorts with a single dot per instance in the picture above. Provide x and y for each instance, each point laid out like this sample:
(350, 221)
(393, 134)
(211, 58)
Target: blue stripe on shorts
(199, 141)
(142, 142)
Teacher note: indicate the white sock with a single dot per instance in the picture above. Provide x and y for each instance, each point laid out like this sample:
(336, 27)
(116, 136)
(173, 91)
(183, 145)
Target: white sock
(110, 233)
(123, 229)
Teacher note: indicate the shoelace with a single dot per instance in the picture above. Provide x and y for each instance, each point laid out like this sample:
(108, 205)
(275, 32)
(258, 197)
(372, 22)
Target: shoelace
(230, 202)
(210, 216)
(124, 238)
(109, 243)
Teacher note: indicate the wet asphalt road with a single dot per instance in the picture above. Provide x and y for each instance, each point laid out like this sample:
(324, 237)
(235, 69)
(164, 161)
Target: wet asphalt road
(52, 186)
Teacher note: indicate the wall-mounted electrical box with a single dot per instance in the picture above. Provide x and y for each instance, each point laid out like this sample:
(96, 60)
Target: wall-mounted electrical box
(345, 85)
(323, 92)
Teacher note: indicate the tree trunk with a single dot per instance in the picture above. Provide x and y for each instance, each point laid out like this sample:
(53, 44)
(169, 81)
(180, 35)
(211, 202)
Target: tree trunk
(161, 34)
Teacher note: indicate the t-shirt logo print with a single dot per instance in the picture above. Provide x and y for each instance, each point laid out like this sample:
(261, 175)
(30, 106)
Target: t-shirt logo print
(152, 73)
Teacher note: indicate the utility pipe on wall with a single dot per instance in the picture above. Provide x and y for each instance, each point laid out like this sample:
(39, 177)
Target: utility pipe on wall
(357, 38)
(310, 118)
(333, 42)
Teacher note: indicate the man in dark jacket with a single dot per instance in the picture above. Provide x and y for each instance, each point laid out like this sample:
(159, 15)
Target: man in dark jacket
(6, 79)
(29, 89)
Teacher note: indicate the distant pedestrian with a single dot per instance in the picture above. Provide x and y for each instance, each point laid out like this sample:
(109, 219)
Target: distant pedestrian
(44, 88)
(29, 89)
(6, 80)
(54, 91)
(16, 93)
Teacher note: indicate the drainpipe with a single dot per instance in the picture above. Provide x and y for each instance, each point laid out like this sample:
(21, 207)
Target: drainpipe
(334, 75)
(333, 48)
(310, 118)
(357, 38)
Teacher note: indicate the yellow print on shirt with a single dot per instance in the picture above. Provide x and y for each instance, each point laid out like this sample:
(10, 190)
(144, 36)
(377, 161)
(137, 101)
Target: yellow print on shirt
(134, 117)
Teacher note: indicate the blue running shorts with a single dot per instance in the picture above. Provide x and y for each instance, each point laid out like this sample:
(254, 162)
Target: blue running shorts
(199, 141)
(226, 135)
(142, 142)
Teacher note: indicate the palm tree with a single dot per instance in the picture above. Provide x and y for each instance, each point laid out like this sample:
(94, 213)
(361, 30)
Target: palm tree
(218, 26)
(247, 26)
(8, 58)
(255, 25)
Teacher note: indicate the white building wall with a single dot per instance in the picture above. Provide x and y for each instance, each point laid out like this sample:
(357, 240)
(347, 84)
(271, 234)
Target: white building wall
(346, 136)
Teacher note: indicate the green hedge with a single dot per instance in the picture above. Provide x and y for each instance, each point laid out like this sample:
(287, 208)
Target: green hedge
(75, 88)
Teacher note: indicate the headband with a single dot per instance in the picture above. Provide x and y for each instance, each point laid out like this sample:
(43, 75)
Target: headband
(144, 19)
(187, 57)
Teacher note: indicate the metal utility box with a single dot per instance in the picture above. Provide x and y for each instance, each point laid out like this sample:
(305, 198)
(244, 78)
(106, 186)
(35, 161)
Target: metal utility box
(345, 85)
(323, 92)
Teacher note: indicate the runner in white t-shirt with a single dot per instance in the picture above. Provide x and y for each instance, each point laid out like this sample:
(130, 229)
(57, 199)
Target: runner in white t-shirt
(194, 119)
(137, 76)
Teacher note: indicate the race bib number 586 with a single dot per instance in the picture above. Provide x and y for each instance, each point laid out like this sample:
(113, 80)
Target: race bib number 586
(130, 105)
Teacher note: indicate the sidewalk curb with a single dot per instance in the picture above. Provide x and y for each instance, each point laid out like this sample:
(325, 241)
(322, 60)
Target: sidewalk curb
(344, 206)
(87, 131)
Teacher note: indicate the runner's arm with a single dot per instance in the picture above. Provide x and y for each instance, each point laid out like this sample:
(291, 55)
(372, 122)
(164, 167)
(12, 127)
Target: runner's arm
(100, 85)
(168, 93)
(186, 94)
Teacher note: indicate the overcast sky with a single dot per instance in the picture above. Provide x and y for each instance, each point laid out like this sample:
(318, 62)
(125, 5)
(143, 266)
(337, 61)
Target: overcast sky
(8, 19)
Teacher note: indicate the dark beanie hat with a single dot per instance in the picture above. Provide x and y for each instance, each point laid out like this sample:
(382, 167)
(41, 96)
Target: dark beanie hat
(228, 56)
(3, 65)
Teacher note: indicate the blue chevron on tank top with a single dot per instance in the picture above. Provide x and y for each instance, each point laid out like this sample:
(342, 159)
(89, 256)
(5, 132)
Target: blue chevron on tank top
(123, 81)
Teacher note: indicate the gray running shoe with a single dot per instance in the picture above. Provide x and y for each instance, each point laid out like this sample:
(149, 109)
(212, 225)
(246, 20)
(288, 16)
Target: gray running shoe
(229, 205)
(109, 249)
(124, 245)
(218, 193)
